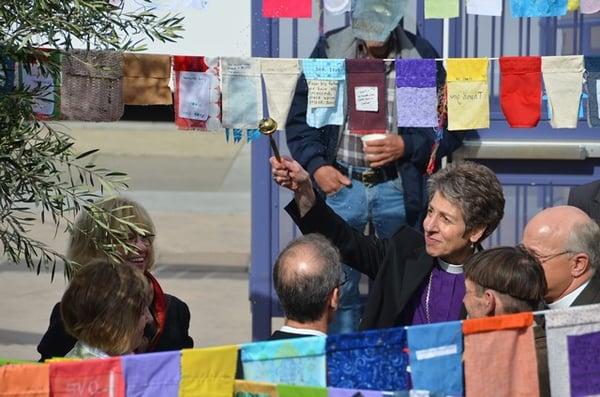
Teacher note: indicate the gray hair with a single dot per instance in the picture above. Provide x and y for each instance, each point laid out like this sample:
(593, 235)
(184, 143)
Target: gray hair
(475, 189)
(585, 238)
(304, 295)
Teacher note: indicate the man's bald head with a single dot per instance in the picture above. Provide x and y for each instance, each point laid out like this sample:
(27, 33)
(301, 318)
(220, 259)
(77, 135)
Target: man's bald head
(305, 274)
(567, 243)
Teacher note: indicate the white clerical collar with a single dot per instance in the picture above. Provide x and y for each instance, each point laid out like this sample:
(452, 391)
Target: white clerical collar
(567, 300)
(301, 331)
(449, 267)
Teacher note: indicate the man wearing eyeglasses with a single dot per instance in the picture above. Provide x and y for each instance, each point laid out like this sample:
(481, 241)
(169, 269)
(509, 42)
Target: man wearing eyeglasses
(307, 277)
(567, 243)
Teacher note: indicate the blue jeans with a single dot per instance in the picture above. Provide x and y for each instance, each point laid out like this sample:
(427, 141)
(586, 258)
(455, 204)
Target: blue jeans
(383, 205)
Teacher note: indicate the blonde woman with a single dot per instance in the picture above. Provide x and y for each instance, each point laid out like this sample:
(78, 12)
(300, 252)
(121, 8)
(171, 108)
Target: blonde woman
(169, 330)
(105, 308)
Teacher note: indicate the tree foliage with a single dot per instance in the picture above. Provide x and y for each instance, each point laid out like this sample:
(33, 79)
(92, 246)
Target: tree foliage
(41, 177)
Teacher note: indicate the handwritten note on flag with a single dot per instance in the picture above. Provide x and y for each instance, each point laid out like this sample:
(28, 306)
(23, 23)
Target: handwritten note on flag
(194, 95)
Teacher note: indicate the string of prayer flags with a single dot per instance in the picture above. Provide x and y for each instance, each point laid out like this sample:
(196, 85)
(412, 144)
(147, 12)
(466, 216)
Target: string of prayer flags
(242, 92)
(287, 8)
(45, 88)
(244, 388)
(367, 109)
(378, 360)
(485, 7)
(301, 391)
(29, 380)
(563, 79)
(373, 20)
(589, 6)
(208, 372)
(298, 361)
(325, 79)
(280, 77)
(441, 9)
(197, 93)
(513, 369)
(538, 8)
(92, 86)
(146, 79)
(468, 94)
(592, 85)
(436, 358)
(568, 360)
(521, 90)
(416, 93)
(90, 377)
(152, 374)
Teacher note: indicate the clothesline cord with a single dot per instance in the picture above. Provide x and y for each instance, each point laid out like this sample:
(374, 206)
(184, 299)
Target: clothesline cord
(386, 59)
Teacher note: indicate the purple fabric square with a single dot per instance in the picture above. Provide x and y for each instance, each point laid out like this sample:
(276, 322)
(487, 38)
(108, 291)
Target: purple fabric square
(417, 107)
(415, 73)
(584, 363)
(152, 374)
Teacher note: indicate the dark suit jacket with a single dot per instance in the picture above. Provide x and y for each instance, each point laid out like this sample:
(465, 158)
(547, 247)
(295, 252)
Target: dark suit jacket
(56, 342)
(541, 350)
(397, 265)
(587, 198)
(278, 335)
(591, 293)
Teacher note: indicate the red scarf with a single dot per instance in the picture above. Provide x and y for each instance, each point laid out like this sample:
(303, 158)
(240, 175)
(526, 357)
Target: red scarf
(158, 309)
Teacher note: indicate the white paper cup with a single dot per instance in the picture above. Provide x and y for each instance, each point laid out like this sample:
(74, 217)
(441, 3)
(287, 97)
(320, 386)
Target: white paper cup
(372, 137)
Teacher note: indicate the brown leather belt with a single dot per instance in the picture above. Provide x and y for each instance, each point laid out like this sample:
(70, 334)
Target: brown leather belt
(372, 176)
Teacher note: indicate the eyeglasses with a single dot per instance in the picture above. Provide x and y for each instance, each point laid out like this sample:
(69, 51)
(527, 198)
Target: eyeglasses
(546, 258)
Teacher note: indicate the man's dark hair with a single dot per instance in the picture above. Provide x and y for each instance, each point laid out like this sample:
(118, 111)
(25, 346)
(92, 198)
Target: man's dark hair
(304, 291)
(514, 272)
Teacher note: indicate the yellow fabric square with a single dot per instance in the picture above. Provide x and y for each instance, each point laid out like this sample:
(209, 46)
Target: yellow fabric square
(208, 372)
(467, 69)
(573, 5)
(468, 94)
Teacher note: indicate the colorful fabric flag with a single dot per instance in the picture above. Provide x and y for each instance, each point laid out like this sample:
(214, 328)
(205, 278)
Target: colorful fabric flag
(280, 77)
(92, 85)
(513, 370)
(301, 391)
(373, 360)
(560, 324)
(592, 85)
(208, 372)
(325, 79)
(373, 20)
(46, 88)
(91, 377)
(538, 8)
(26, 380)
(589, 6)
(197, 93)
(484, 7)
(416, 93)
(287, 9)
(298, 361)
(335, 392)
(521, 90)
(152, 374)
(436, 357)
(584, 366)
(242, 92)
(441, 9)
(146, 79)
(468, 94)
(244, 388)
(563, 79)
(367, 106)
(573, 5)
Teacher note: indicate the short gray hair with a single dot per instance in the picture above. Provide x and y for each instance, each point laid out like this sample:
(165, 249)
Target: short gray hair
(475, 189)
(304, 295)
(585, 238)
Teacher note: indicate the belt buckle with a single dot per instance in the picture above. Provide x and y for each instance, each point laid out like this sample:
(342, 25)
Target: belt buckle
(369, 177)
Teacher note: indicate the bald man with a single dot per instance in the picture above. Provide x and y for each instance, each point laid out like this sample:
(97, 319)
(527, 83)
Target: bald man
(307, 278)
(567, 243)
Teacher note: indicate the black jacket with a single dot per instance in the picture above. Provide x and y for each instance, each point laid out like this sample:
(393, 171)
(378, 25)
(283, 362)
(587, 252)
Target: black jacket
(56, 342)
(397, 265)
(587, 198)
(313, 148)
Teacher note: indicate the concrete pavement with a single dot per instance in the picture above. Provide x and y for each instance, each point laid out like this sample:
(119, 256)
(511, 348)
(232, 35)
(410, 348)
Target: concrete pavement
(196, 187)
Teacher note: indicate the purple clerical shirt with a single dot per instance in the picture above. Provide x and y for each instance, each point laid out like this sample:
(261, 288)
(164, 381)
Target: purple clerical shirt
(446, 295)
